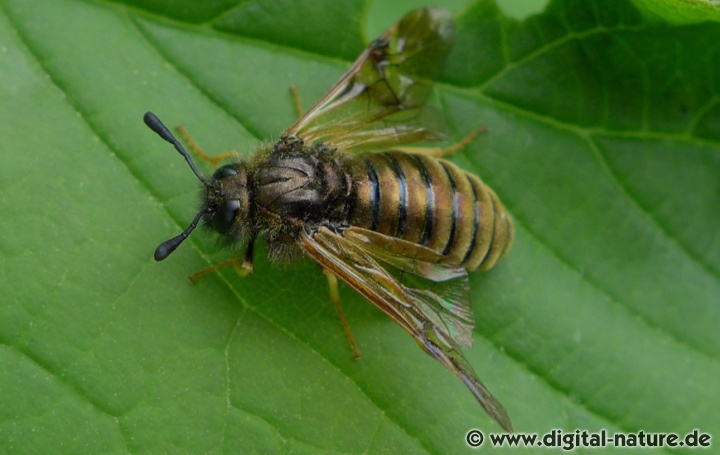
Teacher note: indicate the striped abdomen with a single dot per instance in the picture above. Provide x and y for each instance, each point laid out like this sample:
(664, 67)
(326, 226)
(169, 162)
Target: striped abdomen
(431, 202)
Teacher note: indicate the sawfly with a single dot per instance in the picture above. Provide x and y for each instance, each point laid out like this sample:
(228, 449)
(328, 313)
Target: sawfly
(401, 226)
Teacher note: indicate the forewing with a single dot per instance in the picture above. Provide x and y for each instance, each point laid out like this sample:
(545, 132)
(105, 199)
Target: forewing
(383, 270)
(380, 100)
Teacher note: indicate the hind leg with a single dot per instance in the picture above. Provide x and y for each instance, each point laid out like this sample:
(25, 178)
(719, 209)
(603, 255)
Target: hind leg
(335, 299)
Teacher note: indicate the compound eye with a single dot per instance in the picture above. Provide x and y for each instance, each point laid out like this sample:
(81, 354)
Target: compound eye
(224, 218)
(226, 171)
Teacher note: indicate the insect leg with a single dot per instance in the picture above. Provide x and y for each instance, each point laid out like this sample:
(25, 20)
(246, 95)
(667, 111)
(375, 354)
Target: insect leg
(439, 152)
(296, 100)
(462, 143)
(243, 267)
(335, 299)
(214, 160)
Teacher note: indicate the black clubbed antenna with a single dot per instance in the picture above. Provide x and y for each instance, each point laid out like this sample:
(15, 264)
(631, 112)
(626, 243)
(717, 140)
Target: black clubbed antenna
(168, 246)
(159, 127)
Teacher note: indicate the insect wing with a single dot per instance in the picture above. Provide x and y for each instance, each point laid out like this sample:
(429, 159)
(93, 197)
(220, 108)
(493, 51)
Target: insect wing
(440, 292)
(438, 316)
(380, 100)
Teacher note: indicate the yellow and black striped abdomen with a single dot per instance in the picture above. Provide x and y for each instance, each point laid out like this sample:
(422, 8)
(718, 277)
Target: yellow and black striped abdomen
(431, 202)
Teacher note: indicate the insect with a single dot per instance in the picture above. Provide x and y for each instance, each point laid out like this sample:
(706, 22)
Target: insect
(401, 227)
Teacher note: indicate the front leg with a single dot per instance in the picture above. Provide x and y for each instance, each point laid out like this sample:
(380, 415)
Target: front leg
(243, 267)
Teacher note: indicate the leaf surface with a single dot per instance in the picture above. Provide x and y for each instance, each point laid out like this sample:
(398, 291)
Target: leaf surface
(603, 142)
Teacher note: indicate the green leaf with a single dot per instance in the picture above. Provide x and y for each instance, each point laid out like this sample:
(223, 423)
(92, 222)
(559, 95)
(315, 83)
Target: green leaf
(603, 142)
(680, 11)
